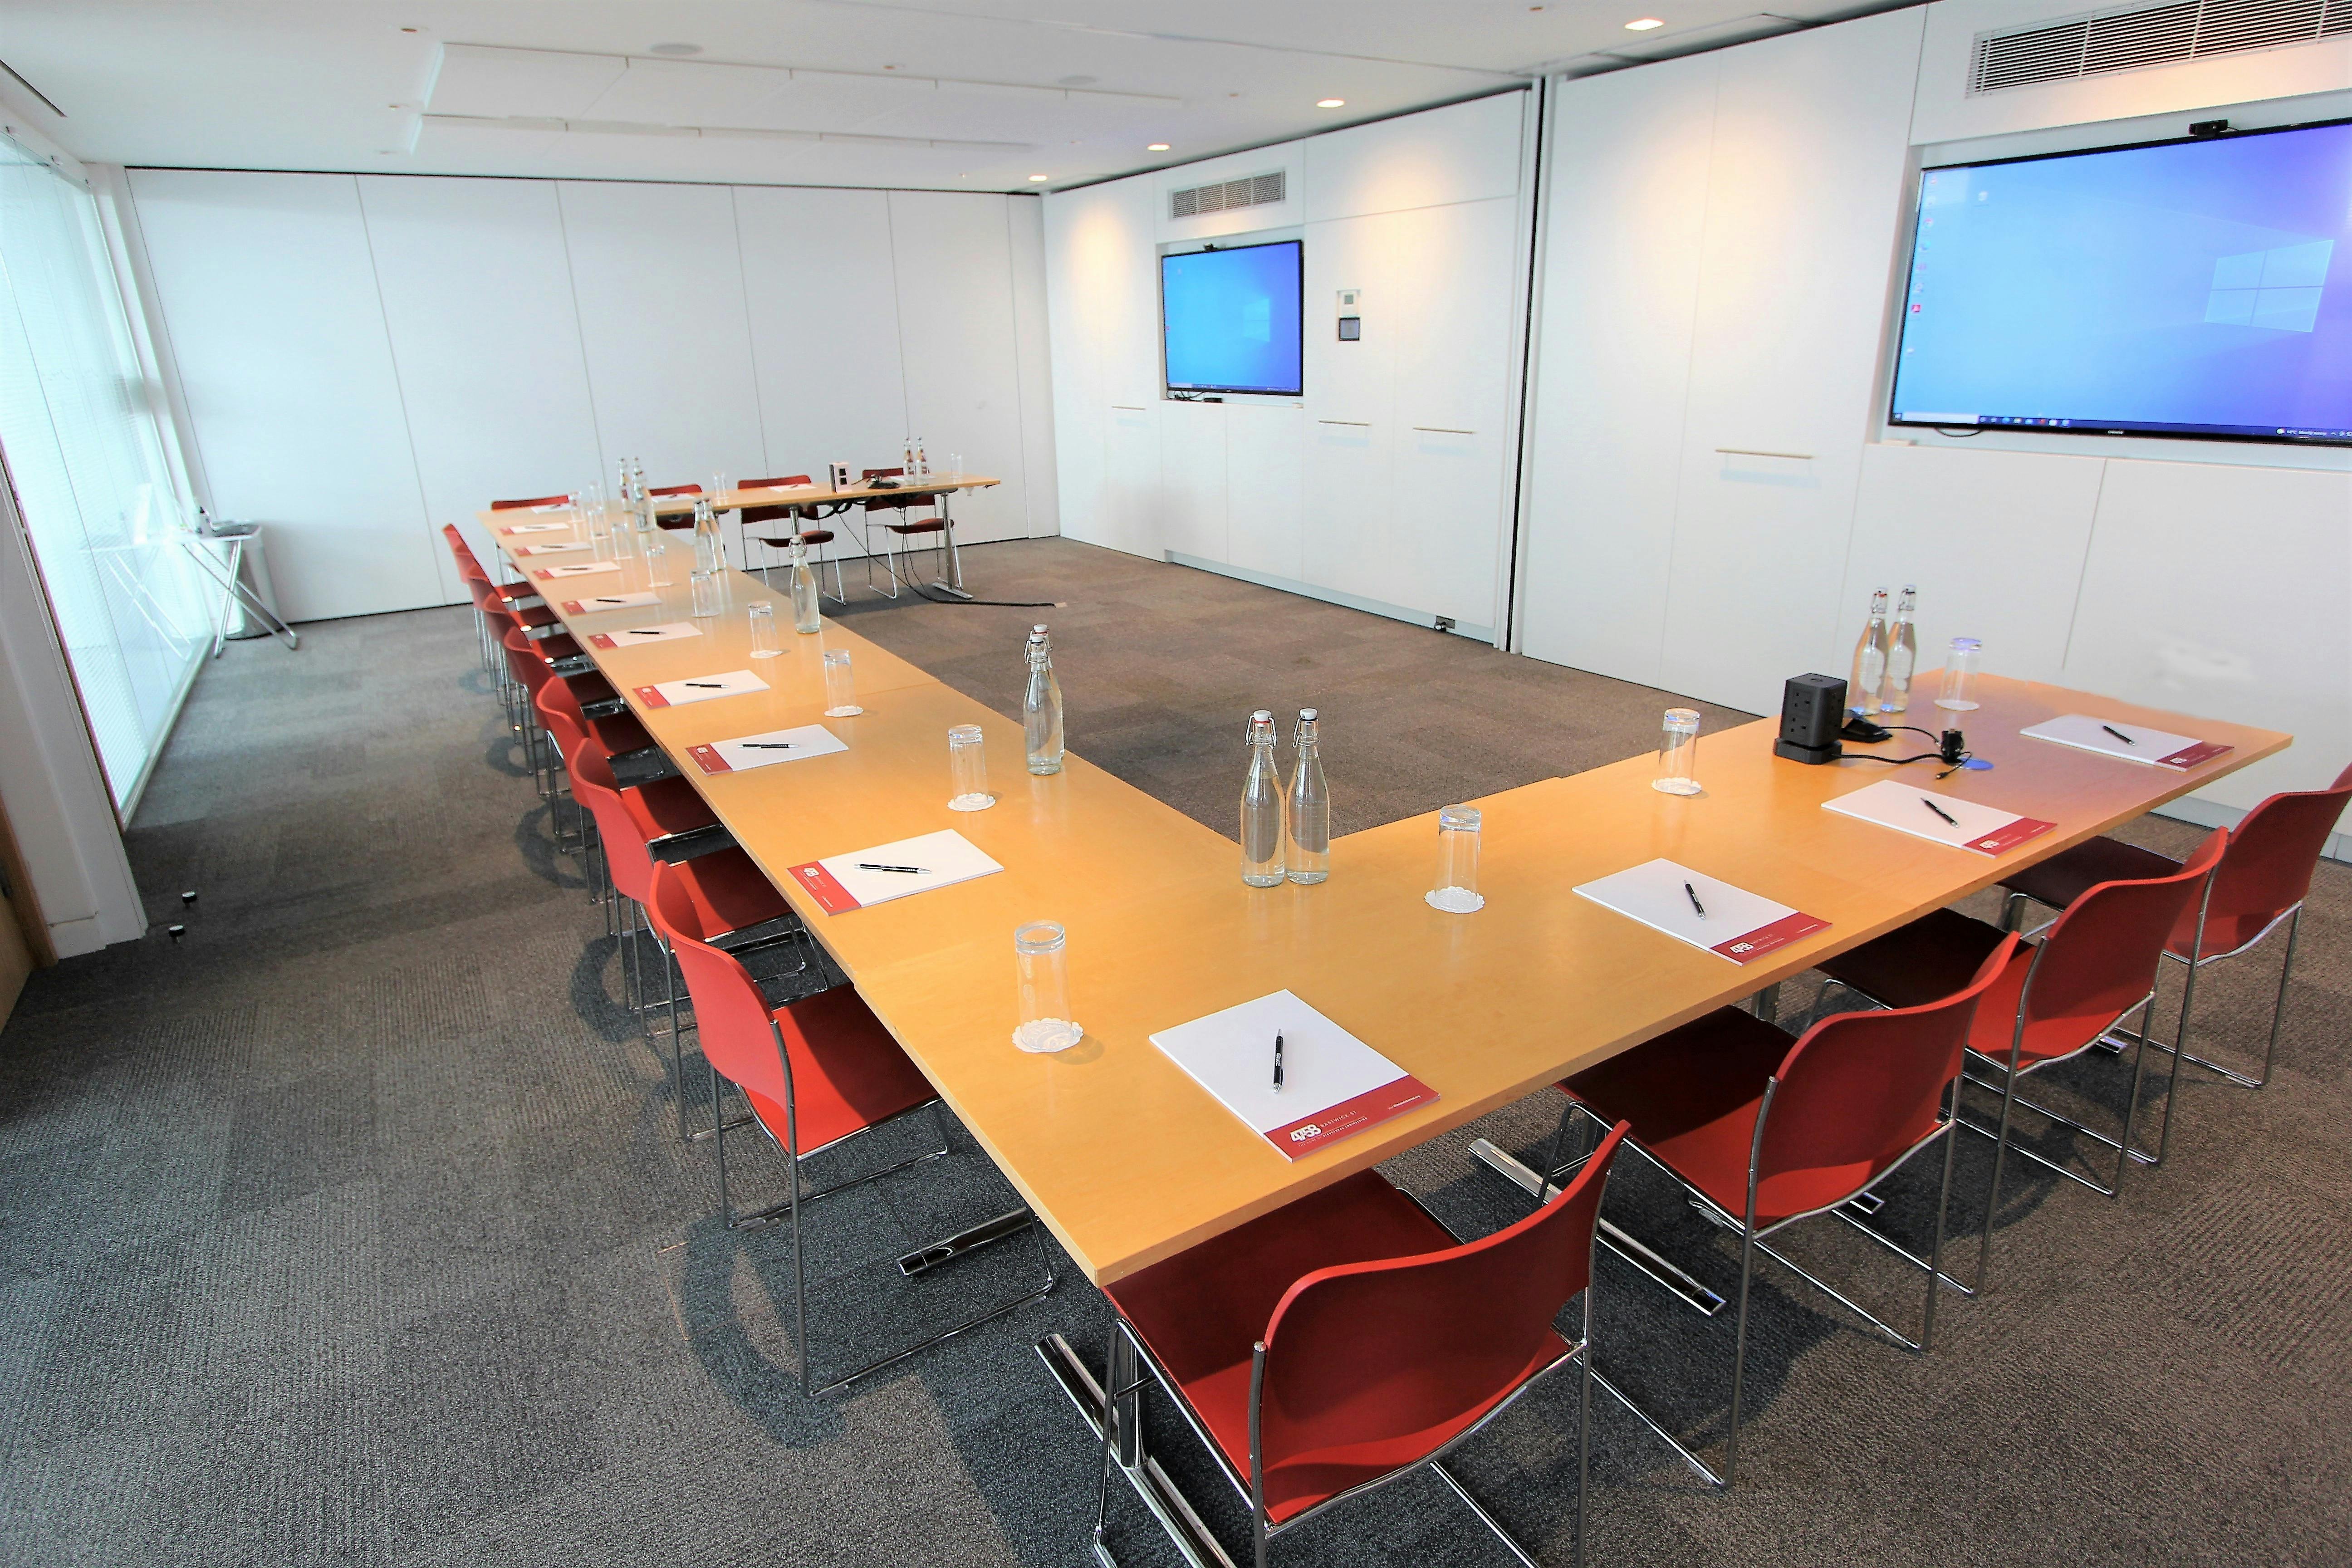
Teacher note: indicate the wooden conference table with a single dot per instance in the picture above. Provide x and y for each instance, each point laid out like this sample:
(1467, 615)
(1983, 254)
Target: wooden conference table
(935, 489)
(1122, 1155)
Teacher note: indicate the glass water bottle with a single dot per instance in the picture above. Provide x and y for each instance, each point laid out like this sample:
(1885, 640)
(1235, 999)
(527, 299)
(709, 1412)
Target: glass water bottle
(1869, 663)
(805, 614)
(1307, 814)
(1041, 707)
(1902, 654)
(710, 545)
(1262, 807)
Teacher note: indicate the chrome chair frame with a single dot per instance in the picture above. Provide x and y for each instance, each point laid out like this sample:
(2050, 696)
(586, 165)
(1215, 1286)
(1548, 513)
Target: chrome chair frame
(1752, 1242)
(946, 1250)
(1122, 1434)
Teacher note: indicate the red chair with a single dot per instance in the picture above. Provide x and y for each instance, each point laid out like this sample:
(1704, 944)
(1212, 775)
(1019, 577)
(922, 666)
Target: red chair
(2094, 967)
(1765, 1129)
(818, 1071)
(1348, 1338)
(639, 827)
(2262, 880)
(674, 521)
(905, 530)
(800, 518)
(532, 500)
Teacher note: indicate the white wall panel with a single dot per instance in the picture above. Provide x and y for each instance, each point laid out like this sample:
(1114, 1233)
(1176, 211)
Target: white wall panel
(1131, 501)
(1624, 219)
(1266, 479)
(269, 294)
(957, 342)
(477, 302)
(1804, 195)
(1026, 228)
(821, 285)
(2226, 590)
(1193, 491)
(1100, 272)
(1995, 541)
(1464, 153)
(659, 281)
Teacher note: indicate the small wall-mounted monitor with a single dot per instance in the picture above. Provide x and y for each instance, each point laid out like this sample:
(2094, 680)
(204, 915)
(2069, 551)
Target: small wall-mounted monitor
(1230, 319)
(2196, 288)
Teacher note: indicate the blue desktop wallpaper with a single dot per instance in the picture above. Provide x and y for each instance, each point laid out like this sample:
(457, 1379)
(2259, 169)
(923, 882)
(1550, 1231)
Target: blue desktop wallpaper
(1231, 318)
(2198, 286)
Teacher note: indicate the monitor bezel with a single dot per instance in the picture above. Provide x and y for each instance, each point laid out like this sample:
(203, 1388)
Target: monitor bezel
(2126, 431)
(1170, 388)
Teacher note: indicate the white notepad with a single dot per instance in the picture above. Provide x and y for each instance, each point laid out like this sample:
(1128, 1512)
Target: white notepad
(551, 549)
(536, 528)
(577, 569)
(699, 689)
(554, 506)
(794, 745)
(2132, 743)
(781, 490)
(1906, 808)
(1333, 1084)
(840, 883)
(609, 602)
(636, 637)
(1727, 921)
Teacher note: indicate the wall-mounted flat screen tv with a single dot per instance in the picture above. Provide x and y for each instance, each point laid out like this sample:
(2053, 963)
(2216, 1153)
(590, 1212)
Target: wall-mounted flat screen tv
(2200, 287)
(1229, 319)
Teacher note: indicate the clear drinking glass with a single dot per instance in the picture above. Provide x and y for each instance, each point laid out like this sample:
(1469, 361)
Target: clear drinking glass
(1456, 891)
(1678, 753)
(761, 619)
(951, 466)
(968, 770)
(1043, 966)
(709, 595)
(840, 685)
(722, 484)
(656, 549)
(1960, 665)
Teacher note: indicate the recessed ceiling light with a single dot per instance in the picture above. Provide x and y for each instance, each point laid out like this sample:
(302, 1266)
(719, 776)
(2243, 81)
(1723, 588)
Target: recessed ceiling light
(1644, 24)
(1039, 179)
(1075, 80)
(1331, 103)
(411, 30)
(1157, 147)
(678, 48)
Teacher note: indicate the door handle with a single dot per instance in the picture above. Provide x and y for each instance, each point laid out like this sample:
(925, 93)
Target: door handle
(1752, 452)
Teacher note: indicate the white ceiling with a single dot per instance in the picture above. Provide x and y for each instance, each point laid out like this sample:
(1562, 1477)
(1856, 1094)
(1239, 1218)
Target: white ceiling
(938, 94)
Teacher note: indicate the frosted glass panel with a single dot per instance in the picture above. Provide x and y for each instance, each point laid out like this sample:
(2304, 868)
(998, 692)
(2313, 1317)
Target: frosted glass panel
(84, 455)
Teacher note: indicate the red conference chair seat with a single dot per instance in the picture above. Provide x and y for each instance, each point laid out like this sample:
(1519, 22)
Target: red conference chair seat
(674, 521)
(666, 806)
(530, 501)
(919, 525)
(807, 536)
(850, 1074)
(1200, 1312)
(560, 714)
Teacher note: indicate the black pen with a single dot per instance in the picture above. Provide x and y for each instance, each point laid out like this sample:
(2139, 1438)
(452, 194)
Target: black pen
(638, 632)
(1939, 811)
(1692, 894)
(606, 599)
(710, 685)
(777, 746)
(910, 870)
(2119, 735)
(1277, 1061)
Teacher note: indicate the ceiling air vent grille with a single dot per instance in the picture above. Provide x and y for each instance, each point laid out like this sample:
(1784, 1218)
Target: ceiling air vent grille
(1258, 190)
(2105, 42)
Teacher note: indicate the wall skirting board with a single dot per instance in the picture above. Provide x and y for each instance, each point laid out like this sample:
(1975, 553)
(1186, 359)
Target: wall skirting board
(1330, 595)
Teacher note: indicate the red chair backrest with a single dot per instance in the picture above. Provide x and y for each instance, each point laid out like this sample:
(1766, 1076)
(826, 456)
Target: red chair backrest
(891, 503)
(530, 501)
(1859, 1092)
(730, 1014)
(2267, 870)
(625, 855)
(523, 657)
(559, 716)
(1375, 1354)
(674, 521)
(752, 514)
(2098, 959)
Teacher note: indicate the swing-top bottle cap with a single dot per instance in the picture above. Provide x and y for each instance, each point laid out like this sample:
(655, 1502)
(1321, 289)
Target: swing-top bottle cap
(1308, 714)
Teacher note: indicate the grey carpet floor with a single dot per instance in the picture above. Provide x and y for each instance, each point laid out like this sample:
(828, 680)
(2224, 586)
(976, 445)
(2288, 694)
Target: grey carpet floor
(353, 1228)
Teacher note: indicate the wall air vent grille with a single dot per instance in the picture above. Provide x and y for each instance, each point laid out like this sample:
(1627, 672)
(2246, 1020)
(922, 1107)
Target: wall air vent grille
(2122, 39)
(1257, 191)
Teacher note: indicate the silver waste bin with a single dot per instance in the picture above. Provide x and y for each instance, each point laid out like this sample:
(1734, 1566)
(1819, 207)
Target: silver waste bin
(244, 541)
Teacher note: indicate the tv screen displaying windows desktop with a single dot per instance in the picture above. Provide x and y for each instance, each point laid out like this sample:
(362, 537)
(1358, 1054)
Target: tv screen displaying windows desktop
(2199, 287)
(1230, 319)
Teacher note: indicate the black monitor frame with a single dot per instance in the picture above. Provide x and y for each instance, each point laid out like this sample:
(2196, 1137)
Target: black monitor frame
(1181, 393)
